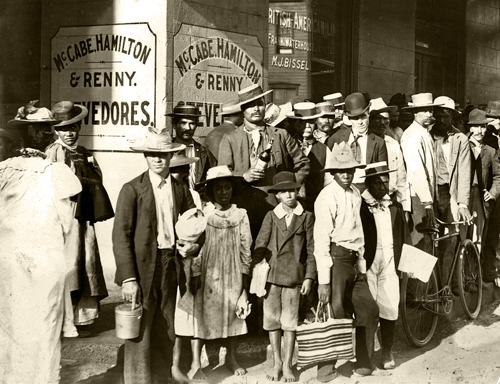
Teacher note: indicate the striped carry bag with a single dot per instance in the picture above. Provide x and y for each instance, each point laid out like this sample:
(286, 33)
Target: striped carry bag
(324, 340)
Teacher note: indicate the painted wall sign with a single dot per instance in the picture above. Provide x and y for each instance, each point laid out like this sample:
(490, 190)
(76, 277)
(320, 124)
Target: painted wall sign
(211, 66)
(111, 69)
(290, 63)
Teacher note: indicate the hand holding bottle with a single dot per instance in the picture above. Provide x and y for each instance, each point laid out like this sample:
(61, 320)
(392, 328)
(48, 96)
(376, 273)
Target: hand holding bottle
(253, 174)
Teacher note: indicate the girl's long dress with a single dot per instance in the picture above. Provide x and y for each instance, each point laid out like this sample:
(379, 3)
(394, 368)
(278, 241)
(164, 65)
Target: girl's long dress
(36, 214)
(224, 257)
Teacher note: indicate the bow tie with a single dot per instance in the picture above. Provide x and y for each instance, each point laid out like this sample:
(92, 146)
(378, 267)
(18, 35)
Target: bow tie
(382, 204)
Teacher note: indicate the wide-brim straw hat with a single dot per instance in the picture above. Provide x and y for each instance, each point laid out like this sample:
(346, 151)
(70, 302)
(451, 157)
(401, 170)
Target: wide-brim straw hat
(356, 104)
(478, 117)
(447, 103)
(305, 111)
(422, 100)
(230, 107)
(336, 99)
(327, 108)
(69, 113)
(251, 93)
(180, 159)
(219, 172)
(378, 105)
(161, 142)
(376, 169)
(284, 181)
(493, 109)
(32, 115)
(341, 157)
(185, 110)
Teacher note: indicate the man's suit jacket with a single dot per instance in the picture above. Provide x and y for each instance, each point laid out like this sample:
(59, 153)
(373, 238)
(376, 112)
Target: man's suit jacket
(375, 146)
(400, 232)
(286, 155)
(213, 139)
(289, 251)
(135, 229)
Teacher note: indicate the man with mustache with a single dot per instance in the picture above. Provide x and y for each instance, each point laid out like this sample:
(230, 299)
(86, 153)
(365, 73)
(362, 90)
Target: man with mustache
(453, 166)
(331, 121)
(185, 121)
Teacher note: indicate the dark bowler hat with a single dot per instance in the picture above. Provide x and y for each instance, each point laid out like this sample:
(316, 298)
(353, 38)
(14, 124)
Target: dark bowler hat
(376, 169)
(493, 109)
(68, 112)
(305, 111)
(284, 181)
(251, 93)
(356, 104)
(478, 117)
(327, 108)
(182, 109)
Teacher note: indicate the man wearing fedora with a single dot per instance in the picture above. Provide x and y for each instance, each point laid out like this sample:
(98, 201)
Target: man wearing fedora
(398, 186)
(418, 151)
(339, 249)
(185, 121)
(367, 147)
(232, 118)
(453, 164)
(304, 116)
(240, 150)
(146, 252)
(386, 230)
(85, 284)
(484, 193)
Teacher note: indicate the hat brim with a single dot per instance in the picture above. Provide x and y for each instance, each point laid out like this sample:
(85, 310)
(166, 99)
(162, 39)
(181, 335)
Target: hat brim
(284, 186)
(351, 165)
(358, 113)
(83, 113)
(255, 98)
(494, 115)
(14, 123)
(234, 177)
(339, 104)
(379, 173)
(389, 108)
(174, 147)
(183, 161)
(424, 106)
(479, 122)
(293, 116)
(231, 112)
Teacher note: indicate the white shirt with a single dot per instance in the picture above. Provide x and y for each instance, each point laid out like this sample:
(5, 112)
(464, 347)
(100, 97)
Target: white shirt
(338, 221)
(191, 152)
(397, 180)
(280, 212)
(363, 142)
(162, 190)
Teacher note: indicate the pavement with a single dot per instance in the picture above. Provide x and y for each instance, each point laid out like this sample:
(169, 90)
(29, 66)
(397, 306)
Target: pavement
(462, 351)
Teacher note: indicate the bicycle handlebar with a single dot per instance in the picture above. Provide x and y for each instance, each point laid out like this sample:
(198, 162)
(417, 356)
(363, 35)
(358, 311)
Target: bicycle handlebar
(474, 216)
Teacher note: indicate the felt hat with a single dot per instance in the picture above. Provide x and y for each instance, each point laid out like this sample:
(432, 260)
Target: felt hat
(219, 172)
(230, 107)
(284, 181)
(478, 117)
(342, 157)
(305, 111)
(179, 159)
(158, 142)
(326, 107)
(446, 103)
(422, 100)
(182, 109)
(356, 104)
(68, 112)
(378, 105)
(29, 114)
(493, 109)
(251, 93)
(376, 169)
(334, 99)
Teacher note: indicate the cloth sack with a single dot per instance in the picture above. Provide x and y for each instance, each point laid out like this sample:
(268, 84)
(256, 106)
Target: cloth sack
(325, 339)
(259, 278)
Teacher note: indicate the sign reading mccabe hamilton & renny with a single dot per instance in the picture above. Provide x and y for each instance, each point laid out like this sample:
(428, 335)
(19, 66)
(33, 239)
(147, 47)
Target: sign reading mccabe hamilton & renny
(110, 69)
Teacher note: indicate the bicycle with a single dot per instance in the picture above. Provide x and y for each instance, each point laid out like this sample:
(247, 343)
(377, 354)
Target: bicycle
(422, 303)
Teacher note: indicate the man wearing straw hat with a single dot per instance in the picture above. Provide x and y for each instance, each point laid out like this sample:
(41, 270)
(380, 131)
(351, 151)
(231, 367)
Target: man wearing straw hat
(232, 118)
(330, 122)
(304, 116)
(367, 147)
(386, 230)
(398, 187)
(339, 249)
(146, 254)
(420, 159)
(240, 150)
(185, 121)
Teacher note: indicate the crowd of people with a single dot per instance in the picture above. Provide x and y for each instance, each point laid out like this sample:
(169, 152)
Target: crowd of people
(325, 193)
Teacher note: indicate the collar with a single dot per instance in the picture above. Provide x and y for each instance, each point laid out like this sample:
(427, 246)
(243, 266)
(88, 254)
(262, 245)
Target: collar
(70, 147)
(281, 213)
(375, 205)
(249, 131)
(317, 134)
(157, 180)
(475, 142)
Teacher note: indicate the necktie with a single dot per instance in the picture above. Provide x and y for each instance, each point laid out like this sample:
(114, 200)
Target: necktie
(356, 148)
(256, 139)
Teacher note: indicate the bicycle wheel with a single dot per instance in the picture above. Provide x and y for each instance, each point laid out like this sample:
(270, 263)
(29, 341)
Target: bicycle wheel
(469, 278)
(418, 314)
